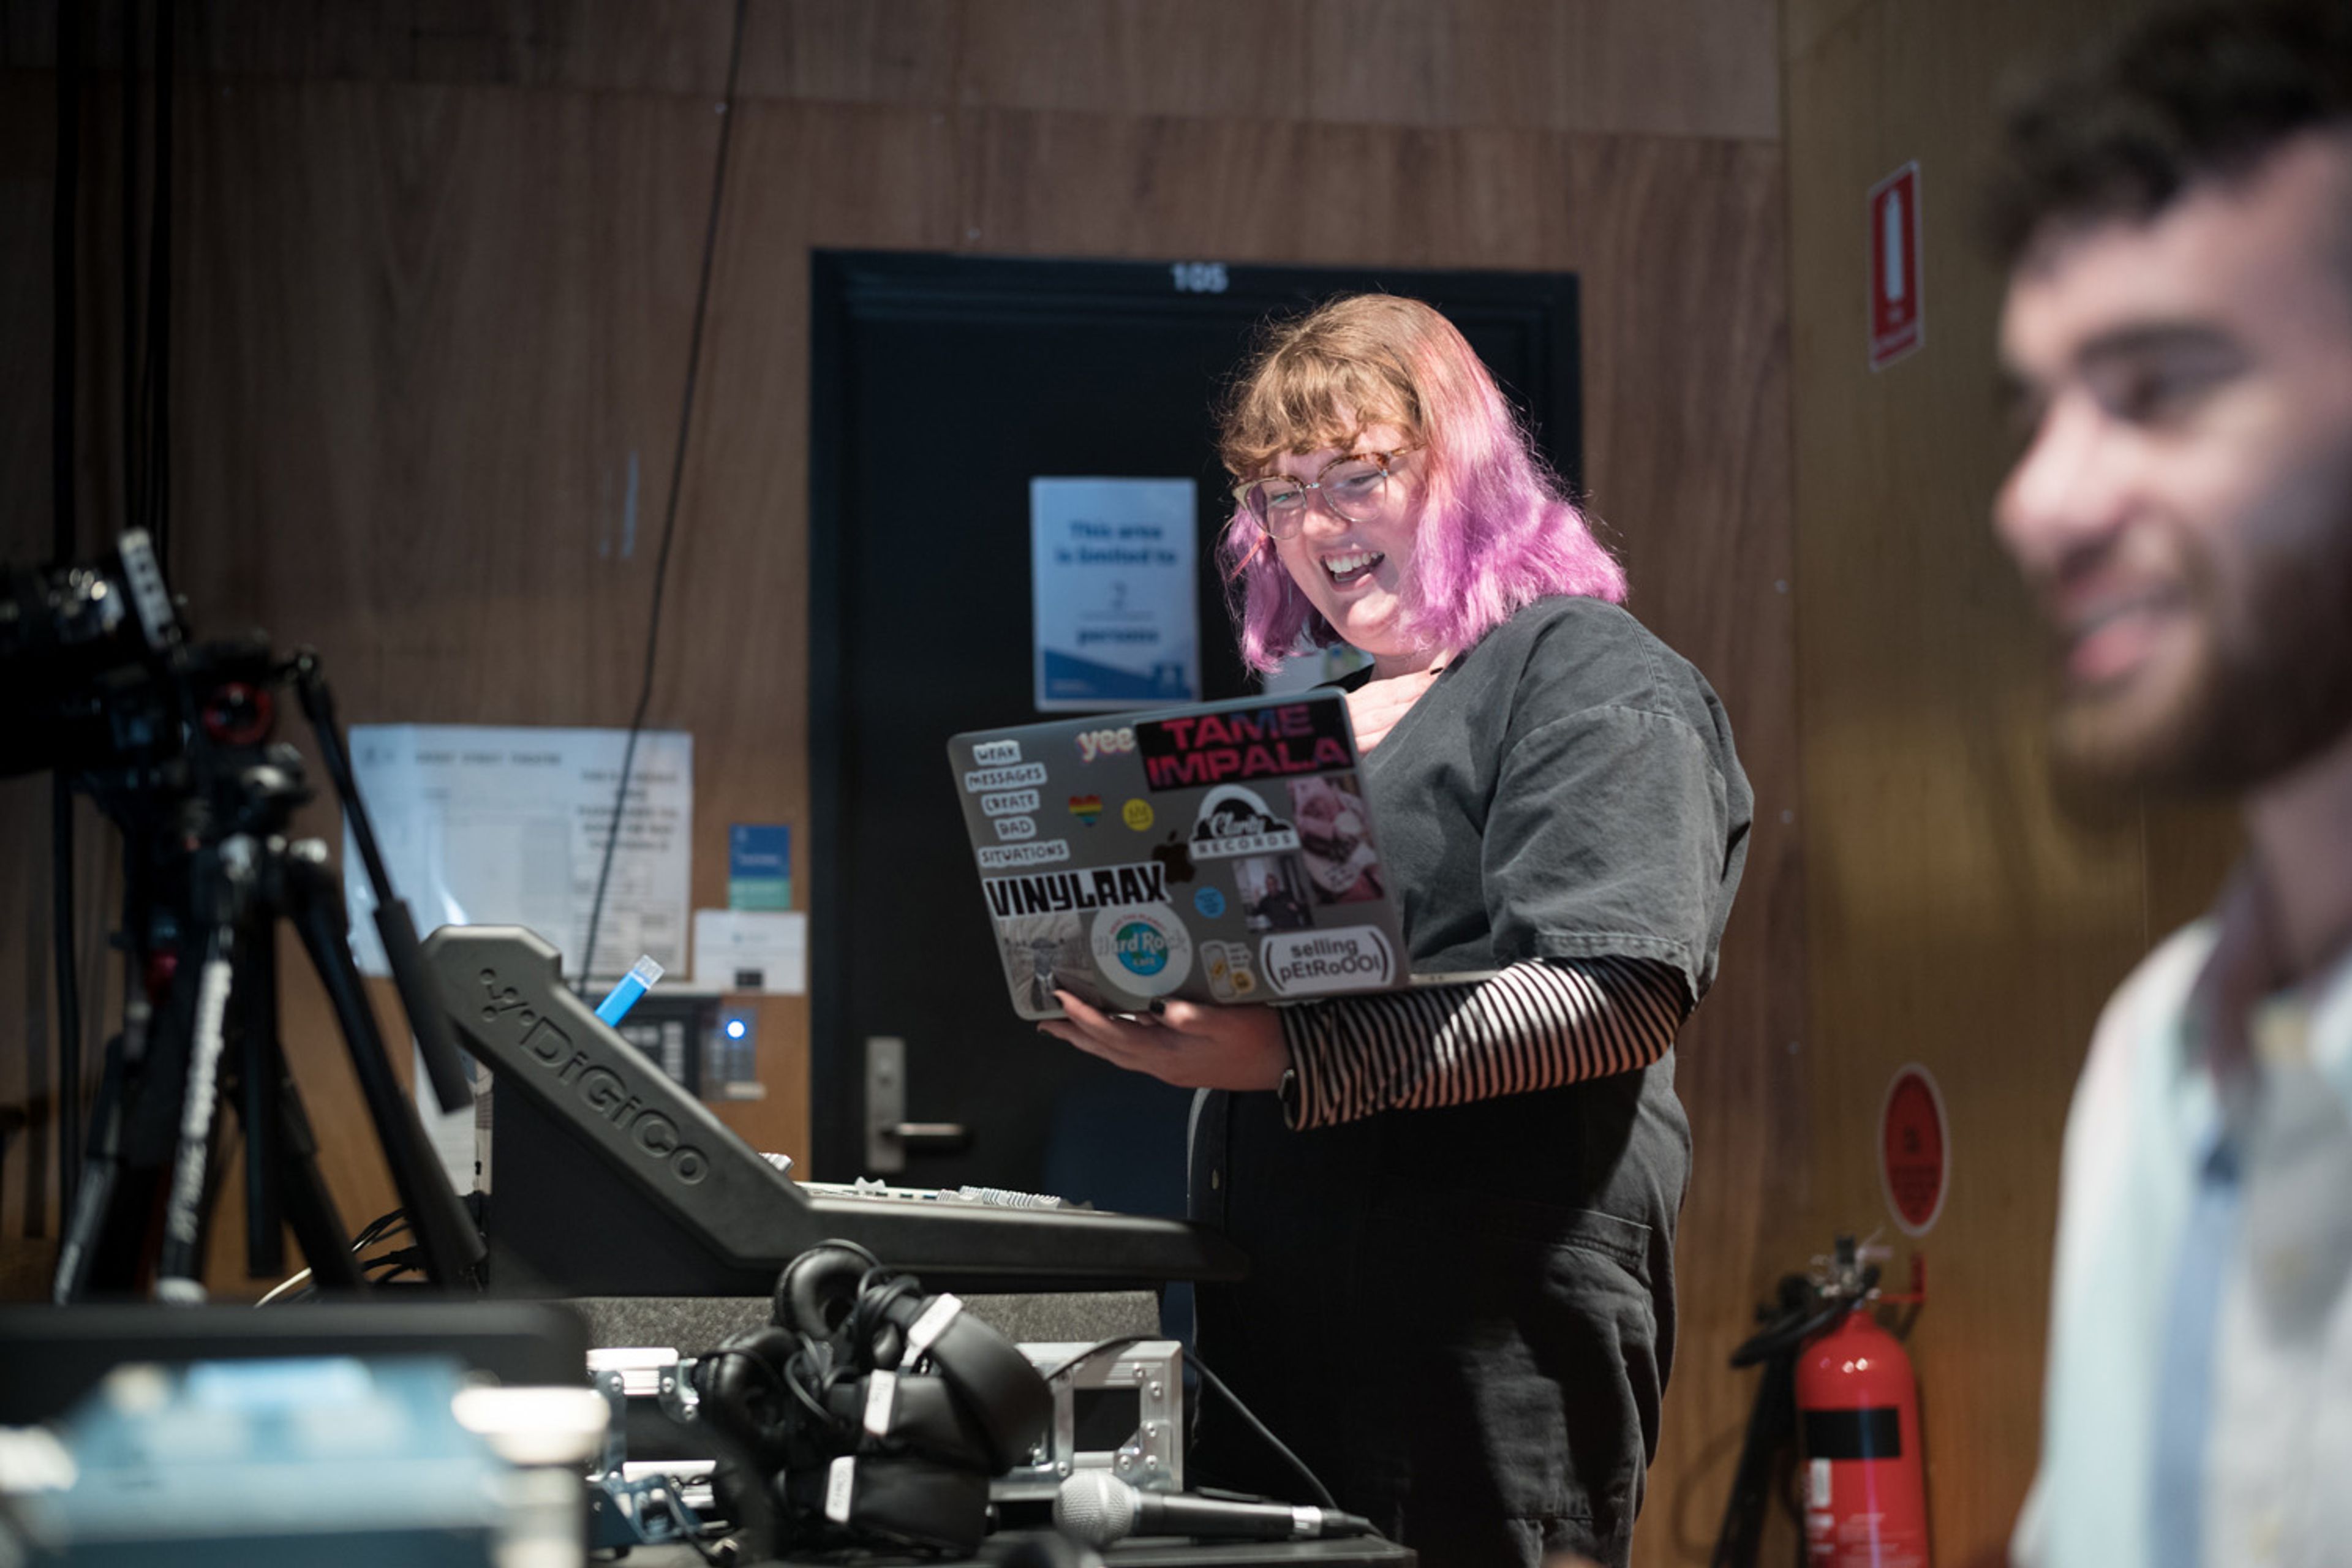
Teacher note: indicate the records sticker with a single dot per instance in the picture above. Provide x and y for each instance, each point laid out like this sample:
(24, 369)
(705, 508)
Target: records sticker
(1144, 950)
(1234, 820)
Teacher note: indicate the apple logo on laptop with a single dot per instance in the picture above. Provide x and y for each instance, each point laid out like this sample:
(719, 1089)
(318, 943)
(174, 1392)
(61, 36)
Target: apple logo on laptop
(1176, 856)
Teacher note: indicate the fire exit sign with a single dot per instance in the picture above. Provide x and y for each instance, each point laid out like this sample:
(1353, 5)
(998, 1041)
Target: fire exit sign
(1896, 325)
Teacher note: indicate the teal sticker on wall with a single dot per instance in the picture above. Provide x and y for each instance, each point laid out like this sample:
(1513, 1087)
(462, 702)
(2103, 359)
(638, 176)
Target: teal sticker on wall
(760, 865)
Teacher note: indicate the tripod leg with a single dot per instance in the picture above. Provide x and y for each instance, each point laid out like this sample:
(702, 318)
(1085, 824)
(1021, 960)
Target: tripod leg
(178, 1275)
(310, 1207)
(444, 1230)
(257, 1089)
(101, 1161)
(283, 1185)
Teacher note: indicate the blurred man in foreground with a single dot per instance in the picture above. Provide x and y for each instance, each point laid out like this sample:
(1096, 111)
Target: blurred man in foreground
(2178, 216)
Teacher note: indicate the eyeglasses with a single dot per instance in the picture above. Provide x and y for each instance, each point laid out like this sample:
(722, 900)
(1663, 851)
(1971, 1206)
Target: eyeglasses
(1354, 489)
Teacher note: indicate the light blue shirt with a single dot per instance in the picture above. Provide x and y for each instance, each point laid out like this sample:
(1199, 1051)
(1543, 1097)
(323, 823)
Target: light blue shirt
(2192, 1298)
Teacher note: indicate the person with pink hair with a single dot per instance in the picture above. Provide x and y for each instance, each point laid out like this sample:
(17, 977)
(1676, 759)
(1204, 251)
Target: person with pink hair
(1459, 1200)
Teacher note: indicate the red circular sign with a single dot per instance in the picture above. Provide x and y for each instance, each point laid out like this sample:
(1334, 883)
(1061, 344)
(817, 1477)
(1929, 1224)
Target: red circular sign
(1914, 1159)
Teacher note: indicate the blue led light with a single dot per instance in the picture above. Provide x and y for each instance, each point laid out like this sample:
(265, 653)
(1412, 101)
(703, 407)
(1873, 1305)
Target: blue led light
(734, 1028)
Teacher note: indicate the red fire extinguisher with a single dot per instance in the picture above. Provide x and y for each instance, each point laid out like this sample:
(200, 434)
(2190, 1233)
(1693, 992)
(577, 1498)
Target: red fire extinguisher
(1858, 1411)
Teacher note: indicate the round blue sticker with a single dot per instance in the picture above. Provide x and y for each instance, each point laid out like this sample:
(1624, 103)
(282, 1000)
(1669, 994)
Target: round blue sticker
(1209, 902)
(1142, 947)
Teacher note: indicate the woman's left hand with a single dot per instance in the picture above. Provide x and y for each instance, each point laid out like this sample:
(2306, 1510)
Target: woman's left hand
(1185, 1044)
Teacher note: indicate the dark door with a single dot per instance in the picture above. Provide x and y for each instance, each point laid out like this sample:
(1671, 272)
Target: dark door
(942, 385)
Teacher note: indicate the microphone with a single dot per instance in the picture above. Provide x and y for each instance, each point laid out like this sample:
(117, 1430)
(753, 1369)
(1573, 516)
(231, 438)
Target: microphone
(1099, 1509)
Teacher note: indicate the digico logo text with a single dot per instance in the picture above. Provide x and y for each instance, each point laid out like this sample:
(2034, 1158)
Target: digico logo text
(1093, 743)
(606, 1092)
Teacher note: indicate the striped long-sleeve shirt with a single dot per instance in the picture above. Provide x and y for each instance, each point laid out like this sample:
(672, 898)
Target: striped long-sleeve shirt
(1536, 1025)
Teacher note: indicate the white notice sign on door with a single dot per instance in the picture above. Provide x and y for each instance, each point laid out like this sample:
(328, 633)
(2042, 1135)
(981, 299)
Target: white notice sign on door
(1112, 574)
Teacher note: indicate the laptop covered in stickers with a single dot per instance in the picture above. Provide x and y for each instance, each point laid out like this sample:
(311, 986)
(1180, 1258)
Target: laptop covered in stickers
(1222, 852)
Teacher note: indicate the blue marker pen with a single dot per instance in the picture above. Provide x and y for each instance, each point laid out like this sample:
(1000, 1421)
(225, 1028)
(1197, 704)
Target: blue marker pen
(634, 984)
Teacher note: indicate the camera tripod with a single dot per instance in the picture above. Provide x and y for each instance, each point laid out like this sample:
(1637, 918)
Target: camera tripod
(209, 874)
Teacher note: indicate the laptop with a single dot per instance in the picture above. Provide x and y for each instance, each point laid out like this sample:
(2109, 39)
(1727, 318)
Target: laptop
(1222, 852)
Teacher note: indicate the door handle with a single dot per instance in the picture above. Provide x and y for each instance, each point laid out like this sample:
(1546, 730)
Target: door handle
(888, 1134)
(927, 1132)
(944, 1136)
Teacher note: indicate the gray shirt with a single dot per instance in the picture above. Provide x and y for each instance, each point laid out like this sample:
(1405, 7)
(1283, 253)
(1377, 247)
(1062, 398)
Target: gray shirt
(1567, 789)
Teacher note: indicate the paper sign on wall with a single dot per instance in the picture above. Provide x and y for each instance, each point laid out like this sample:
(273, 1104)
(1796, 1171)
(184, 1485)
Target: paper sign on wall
(1117, 619)
(751, 949)
(507, 827)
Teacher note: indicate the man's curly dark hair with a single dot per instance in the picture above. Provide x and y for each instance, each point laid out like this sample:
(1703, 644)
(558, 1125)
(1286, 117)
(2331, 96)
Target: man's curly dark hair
(2205, 92)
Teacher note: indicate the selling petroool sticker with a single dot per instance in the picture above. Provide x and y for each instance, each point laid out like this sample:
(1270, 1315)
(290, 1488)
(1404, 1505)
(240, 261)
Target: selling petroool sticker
(1348, 958)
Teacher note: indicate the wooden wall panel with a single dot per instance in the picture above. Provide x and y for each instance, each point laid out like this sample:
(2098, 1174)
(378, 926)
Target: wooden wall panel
(1957, 916)
(1681, 67)
(428, 315)
(445, 331)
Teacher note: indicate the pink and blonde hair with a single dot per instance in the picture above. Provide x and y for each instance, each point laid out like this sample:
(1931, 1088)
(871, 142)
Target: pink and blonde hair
(1498, 529)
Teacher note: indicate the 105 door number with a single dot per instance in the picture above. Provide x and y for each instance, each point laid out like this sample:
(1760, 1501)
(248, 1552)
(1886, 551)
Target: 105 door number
(1198, 277)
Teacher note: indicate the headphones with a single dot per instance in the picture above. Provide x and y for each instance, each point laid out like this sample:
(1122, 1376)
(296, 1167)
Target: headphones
(876, 1412)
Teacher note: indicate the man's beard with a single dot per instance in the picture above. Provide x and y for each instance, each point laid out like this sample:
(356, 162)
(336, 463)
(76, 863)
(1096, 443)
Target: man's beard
(2267, 693)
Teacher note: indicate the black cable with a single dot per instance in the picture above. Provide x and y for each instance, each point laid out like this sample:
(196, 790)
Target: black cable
(63, 316)
(1314, 1483)
(131, 450)
(155, 390)
(677, 482)
(1098, 1348)
(378, 1227)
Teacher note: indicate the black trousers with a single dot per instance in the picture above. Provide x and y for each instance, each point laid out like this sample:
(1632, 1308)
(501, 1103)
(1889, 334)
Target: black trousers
(1461, 1320)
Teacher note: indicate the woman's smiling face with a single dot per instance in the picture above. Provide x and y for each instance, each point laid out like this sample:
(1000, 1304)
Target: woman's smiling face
(1353, 573)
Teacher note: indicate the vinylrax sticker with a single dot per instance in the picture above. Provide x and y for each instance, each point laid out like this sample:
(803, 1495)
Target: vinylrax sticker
(1052, 892)
(1009, 802)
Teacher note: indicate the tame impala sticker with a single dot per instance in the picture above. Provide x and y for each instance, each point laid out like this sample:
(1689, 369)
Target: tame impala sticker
(1144, 950)
(1277, 740)
(1348, 958)
(1235, 820)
